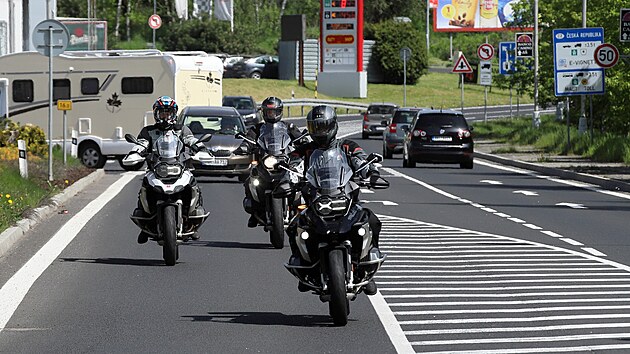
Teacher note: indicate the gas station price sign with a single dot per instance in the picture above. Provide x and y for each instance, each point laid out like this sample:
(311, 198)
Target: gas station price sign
(341, 34)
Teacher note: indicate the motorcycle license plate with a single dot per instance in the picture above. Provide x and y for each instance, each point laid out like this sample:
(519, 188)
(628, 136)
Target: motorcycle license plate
(216, 162)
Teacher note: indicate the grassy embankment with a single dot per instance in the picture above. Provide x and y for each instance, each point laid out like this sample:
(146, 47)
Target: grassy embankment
(551, 137)
(18, 195)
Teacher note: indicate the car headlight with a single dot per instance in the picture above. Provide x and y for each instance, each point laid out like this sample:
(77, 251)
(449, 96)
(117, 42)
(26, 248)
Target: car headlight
(164, 170)
(270, 162)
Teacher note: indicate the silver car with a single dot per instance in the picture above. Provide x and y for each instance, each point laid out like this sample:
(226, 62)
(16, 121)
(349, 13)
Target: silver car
(394, 134)
(376, 117)
(223, 123)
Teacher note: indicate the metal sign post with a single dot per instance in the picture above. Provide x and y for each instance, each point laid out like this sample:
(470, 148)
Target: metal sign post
(64, 105)
(50, 38)
(405, 53)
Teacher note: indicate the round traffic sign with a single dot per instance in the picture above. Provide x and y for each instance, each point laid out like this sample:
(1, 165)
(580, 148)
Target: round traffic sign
(485, 51)
(405, 53)
(50, 37)
(155, 21)
(606, 55)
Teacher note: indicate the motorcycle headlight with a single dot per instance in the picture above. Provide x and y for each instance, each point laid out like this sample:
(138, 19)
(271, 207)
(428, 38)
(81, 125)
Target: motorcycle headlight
(270, 162)
(326, 206)
(164, 170)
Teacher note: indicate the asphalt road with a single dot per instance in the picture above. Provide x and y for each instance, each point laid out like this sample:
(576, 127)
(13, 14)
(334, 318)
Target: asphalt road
(485, 260)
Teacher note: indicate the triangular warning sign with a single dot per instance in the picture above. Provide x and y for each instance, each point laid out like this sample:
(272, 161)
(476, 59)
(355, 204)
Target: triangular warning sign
(461, 66)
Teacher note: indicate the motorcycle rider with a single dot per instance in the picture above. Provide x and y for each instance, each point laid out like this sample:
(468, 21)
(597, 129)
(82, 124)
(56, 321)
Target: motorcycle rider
(322, 126)
(165, 115)
(272, 111)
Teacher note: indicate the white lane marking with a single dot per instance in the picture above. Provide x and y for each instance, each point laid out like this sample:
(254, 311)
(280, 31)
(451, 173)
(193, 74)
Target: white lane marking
(525, 339)
(385, 202)
(397, 270)
(503, 215)
(504, 302)
(367, 191)
(590, 187)
(572, 205)
(517, 329)
(500, 295)
(573, 349)
(594, 251)
(16, 288)
(533, 227)
(507, 288)
(489, 210)
(479, 266)
(517, 319)
(527, 193)
(517, 220)
(391, 325)
(551, 233)
(511, 310)
(491, 182)
(571, 241)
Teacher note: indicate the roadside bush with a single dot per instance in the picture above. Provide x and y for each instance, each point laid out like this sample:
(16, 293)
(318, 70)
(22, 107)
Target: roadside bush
(609, 148)
(391, 37)
(32, 135)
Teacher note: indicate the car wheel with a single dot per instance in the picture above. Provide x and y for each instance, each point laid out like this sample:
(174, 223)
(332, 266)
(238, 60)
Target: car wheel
(255, 75)
(91, 155)
(467, 164)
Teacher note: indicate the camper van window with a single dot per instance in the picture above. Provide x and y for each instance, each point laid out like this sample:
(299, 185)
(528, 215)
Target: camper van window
(23, 91)
(137, 85)
(61, 89)
(89, 86)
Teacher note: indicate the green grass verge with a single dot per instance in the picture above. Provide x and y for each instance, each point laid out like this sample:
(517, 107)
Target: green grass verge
(551, 137)
(431, 90)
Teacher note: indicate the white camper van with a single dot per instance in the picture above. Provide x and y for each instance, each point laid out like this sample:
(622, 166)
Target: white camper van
(111, 91)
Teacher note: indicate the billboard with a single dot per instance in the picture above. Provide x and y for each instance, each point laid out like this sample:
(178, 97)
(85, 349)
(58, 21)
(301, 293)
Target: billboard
(80, 34)
(474, 15)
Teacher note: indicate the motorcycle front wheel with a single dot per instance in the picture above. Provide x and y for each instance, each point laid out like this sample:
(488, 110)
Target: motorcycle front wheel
(276, 232)
(338, 305)
(169, 223)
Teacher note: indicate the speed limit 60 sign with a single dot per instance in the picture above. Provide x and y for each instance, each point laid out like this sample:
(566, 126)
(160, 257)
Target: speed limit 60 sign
(606, 55)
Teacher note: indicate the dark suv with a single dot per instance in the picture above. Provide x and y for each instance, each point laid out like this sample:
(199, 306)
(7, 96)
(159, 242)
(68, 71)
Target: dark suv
(246, 107)
(438, 136)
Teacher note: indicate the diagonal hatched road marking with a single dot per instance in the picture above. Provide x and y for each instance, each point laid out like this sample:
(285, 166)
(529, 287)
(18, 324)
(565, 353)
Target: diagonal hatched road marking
(452, 290)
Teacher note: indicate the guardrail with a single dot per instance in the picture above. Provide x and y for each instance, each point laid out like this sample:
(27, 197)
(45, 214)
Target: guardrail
(307, 102)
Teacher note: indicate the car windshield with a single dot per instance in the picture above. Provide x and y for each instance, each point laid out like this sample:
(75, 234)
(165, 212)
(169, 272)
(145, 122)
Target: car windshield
(403, 117)
(441, 120)
(214, 125)
(274, 137)
(381, 109)
(329, 169)
(239, 103)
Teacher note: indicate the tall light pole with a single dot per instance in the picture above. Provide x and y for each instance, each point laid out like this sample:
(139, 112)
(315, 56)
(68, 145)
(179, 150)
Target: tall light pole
(582, 122)
(536, 116)
(428, 10)
(154, 12)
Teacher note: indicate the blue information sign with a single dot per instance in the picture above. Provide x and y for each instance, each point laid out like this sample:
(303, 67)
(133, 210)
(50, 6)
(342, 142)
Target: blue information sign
(506, 58)
(575, 69)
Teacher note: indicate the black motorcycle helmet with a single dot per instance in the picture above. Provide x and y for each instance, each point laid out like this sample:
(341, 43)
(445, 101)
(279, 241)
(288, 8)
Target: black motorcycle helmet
(321, 122)
(272, 108)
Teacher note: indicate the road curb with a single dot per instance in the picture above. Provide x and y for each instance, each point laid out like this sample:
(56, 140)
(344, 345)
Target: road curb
(9, 236)
(602, 182)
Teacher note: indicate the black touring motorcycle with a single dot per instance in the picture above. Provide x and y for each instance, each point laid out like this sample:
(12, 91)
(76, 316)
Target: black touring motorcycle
(333, 234)
(269, 185)
(175, 208)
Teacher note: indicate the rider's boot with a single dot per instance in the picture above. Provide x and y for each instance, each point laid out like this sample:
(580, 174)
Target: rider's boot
(143, 237)
(370, 288)
(252, 222)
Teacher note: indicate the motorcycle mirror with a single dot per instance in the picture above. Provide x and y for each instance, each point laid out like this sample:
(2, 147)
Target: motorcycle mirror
(205, 138)
(131, 139)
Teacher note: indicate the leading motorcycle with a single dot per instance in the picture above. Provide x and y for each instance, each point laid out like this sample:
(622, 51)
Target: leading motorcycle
(269, 185)
(333, 234)
(175, 208)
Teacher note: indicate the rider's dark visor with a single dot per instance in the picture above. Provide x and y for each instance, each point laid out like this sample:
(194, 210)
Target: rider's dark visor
(320, 127)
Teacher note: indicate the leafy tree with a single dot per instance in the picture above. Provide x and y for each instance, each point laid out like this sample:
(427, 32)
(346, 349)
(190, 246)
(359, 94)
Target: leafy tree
(391, 36)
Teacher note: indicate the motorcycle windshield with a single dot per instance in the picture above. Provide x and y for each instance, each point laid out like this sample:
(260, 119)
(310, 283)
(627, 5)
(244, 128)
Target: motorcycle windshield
(274, 138)
(329, 169)
(168, 145)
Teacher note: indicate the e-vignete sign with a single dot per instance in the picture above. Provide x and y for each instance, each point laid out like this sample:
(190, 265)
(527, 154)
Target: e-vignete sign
(341, 35)
(575, 69)
(624, 25)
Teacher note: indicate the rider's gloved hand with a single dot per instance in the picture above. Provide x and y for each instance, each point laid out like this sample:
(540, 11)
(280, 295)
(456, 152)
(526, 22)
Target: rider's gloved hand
(373, 176)
(196, 147)
(241, 150)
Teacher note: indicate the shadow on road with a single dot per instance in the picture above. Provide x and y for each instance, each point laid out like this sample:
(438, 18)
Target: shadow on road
(264, 318)
(229, 244)
(118, 261)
